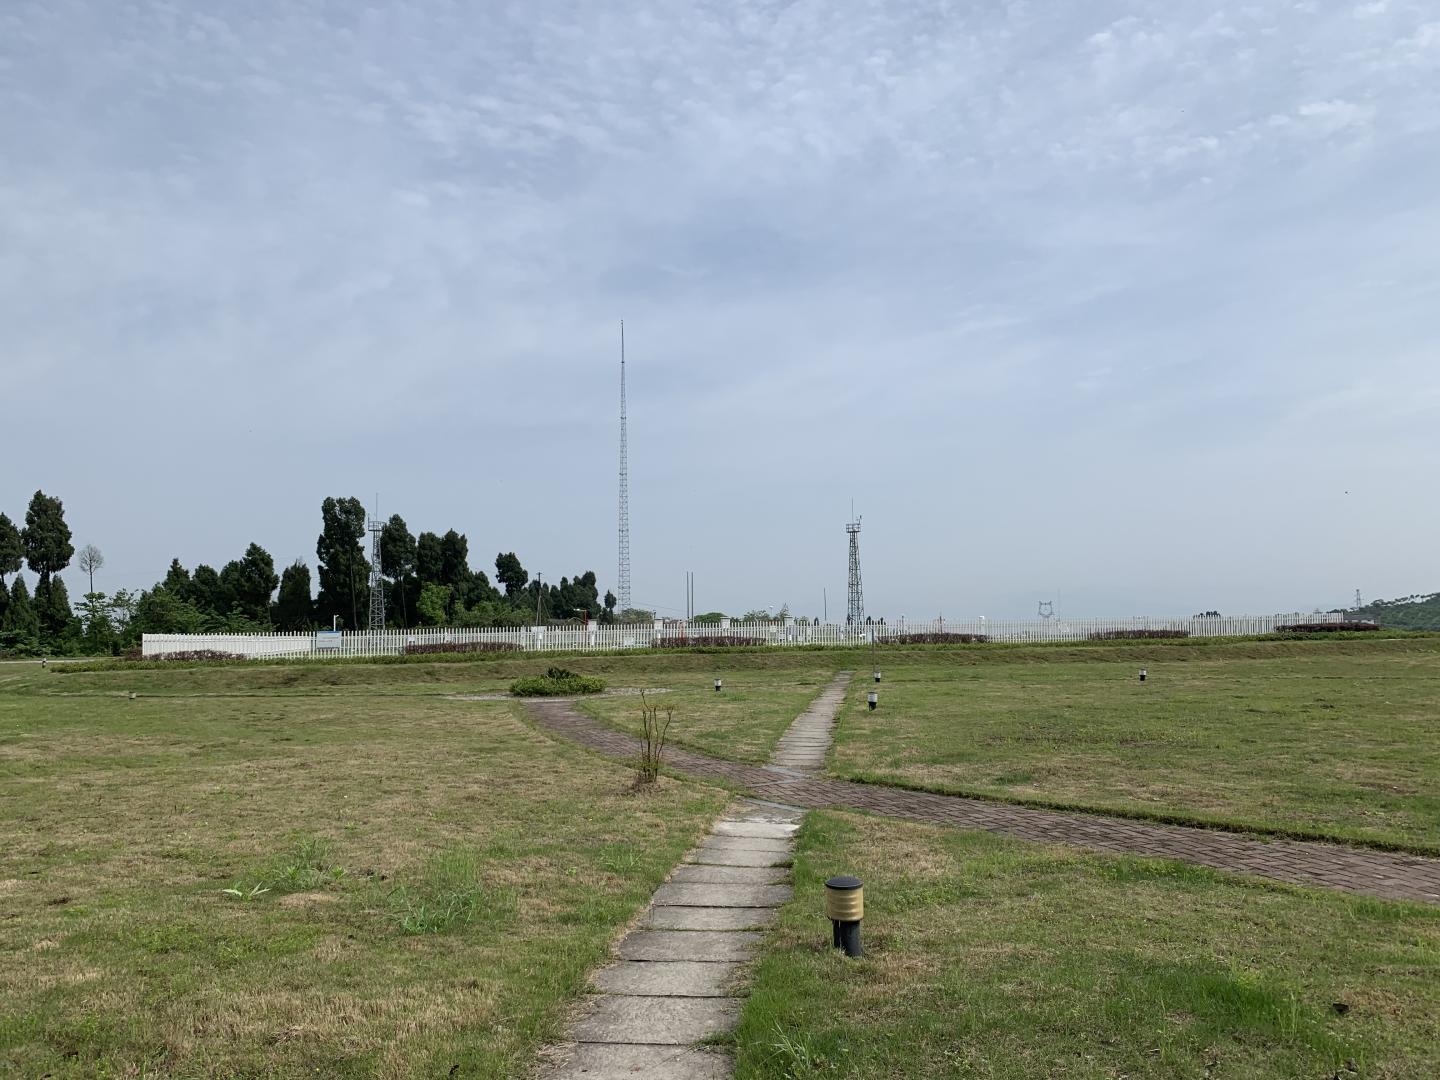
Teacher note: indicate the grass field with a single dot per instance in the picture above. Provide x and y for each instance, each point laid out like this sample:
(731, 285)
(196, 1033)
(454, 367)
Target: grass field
(997, 959)
(420, 884)
(1327, 739)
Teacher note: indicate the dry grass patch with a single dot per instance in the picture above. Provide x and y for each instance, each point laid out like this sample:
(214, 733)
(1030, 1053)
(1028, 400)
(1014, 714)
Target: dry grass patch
(420, 885)
(995, 958)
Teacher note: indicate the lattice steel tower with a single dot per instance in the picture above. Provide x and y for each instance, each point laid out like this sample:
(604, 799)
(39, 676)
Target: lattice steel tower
(855, 609)
(377, 579)
(623, 585)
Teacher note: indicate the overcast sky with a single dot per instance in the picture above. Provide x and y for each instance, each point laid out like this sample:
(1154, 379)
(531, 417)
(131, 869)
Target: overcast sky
(1134, 304)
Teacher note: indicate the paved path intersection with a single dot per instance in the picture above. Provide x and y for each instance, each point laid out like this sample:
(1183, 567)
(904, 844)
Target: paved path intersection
(1393, 876)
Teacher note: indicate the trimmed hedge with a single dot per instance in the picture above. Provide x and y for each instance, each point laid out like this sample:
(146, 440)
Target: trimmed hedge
(1135, 635)
(706, 641)
(1325, 627)
(461, 647)
(936, 638)
(197, 654)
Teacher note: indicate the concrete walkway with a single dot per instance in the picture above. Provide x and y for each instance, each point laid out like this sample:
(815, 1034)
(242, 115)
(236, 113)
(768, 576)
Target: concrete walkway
(678, 977)
(1390, 875)
(804, 745)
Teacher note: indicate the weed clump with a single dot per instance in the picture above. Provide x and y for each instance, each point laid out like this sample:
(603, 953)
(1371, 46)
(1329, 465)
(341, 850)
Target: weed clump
(556, 682)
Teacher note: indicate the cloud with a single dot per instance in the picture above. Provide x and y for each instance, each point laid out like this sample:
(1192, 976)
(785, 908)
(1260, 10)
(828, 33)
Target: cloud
(934, 255)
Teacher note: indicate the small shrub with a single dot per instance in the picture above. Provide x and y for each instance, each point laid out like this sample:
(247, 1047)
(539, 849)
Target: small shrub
(706, 641)
(653, 732)
(1325, 627)
(1135, 635)
(556, 682)
(461, 647)
(936, 638)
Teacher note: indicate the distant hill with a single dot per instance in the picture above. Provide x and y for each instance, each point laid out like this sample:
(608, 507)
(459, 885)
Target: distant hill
(1418, 612)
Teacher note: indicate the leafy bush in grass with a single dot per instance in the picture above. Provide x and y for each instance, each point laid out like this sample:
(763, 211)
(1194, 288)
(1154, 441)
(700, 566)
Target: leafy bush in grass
(461, 647)
(1136, 635)
(706, 641)
(556, 682)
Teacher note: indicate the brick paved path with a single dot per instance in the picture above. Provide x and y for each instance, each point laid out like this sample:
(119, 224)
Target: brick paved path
(1356, 870)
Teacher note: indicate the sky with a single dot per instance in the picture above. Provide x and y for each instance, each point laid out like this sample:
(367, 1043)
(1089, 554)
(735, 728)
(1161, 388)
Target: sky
(1131, 306)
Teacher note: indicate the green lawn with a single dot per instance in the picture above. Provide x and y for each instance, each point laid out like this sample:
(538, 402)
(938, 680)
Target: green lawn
(424, 883)
(1328, 739)
(741, 722)
(998, 959)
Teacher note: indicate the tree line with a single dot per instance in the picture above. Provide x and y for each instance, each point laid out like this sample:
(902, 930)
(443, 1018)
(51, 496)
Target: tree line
(428, 581)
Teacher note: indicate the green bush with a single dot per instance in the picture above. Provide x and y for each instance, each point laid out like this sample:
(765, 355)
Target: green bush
(556, 682)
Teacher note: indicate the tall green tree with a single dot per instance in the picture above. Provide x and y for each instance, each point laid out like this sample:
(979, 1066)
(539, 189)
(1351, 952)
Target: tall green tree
(207, 593)
(20, 625)
(52, 606)
(46, 536)
(429, 562)
(294, 610)
(510, 574)
(249, 583)
(397, 561)
(48, 549)
(177, 579)
(344, 571)
(12, 548)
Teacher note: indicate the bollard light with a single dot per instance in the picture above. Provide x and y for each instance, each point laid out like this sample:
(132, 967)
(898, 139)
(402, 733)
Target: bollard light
(1143, 673)
(845, 908)
(717, 686)
(874, 700)
(877, 676)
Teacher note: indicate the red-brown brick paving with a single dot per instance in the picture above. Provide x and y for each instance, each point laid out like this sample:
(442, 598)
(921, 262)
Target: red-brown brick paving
(1390, 875)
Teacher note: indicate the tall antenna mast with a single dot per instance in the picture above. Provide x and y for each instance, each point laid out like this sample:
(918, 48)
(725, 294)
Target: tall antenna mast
(624, 569)
(377, 577)
(855, 609)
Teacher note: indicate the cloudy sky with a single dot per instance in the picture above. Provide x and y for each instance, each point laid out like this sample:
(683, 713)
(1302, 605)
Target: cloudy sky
(1135, 304)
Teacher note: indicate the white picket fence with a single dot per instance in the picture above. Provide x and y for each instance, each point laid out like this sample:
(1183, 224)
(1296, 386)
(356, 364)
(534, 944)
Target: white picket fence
(323, 644)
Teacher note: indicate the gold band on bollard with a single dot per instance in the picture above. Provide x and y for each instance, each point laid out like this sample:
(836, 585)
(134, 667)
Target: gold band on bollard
(845, 905)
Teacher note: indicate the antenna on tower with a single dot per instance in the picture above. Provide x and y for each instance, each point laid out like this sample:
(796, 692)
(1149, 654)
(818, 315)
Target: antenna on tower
(624, 568)
(855, 608)
(377, 577)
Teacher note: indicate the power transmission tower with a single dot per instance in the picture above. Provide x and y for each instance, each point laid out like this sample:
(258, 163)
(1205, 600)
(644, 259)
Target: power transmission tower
(624, 570)
(377, 578)
(855, 610)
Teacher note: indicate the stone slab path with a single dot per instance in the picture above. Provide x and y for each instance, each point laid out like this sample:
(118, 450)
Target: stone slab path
(678, 976)
(803, 747)
(1393, 876)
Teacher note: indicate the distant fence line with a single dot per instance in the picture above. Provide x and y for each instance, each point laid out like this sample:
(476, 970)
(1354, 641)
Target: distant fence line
(324, 644)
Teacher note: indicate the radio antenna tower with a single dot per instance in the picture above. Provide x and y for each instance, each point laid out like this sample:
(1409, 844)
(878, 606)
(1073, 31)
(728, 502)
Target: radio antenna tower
(855, 610)
(377, 578)
(624, 569)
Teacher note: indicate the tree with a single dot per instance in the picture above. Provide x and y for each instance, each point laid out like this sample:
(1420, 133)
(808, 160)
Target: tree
(97, 627)
(89, 561)
(433, 604)
(294, 610)
(207, 593)
(344, 571)
(249, 582)
(510, 574)
(12, 548)
(52, 607)
(177, 579)
(428, 560)
(455, 567)
(46, 536)
(397, 560)
(20, 625)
